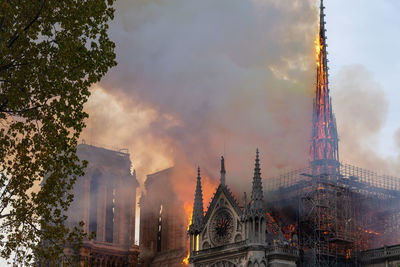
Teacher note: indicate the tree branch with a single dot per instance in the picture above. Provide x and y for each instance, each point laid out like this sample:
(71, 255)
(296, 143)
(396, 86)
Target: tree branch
(21, 110)
(7, 66)
(3, 105)
(40, 232)
(1, 24)
(6, 215)
(15, 36)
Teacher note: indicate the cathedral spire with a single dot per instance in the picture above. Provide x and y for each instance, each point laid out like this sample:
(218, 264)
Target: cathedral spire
(223, 172)
(322, 38)
(198, 212)
(324, 149)
(257, 192)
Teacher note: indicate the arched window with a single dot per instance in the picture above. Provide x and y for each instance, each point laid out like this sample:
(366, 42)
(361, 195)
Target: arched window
(110, 209)
(159, 229)
(94, 189)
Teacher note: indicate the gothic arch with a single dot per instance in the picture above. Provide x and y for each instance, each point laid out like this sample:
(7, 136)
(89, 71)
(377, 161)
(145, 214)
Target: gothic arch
(256, 264)
(224, 263)
(206, 245)
(238, 238)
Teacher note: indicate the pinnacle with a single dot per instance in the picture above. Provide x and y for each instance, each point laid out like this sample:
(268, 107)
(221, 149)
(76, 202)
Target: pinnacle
(198, 212)
(257, 170)
(257, 192)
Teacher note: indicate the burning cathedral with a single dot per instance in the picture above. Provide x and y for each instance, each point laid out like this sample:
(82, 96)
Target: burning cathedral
(326, 214)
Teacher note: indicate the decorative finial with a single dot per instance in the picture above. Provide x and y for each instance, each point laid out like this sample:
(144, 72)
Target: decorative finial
(223, 172)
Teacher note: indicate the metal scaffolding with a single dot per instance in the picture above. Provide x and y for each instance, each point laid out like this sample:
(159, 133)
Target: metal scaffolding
(339, 213)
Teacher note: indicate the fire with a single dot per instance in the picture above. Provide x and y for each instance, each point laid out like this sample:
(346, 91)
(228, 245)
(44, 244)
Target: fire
(188, 212)
(188, 207)
(318, 48)
(348, 253)
(324, 137)
(371, 232)
(272, 224)
(208, 187)
(186, 260)
(288, 231)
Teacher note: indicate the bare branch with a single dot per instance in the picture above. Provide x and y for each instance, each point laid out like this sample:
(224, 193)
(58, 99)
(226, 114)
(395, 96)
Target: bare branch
(6, 215)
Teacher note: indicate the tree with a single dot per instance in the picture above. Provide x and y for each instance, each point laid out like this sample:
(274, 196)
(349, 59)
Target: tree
(51, 52)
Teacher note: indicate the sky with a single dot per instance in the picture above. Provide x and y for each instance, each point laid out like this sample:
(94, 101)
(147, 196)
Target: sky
(366, 32)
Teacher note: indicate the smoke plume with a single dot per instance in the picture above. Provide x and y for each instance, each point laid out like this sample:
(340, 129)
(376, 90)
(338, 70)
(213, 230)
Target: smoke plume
(198, 79)
(361, 109)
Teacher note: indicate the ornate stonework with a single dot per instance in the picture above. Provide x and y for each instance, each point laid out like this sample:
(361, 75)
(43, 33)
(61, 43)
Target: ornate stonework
(229, 236)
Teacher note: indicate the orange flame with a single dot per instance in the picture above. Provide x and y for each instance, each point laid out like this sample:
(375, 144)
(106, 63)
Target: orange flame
(371, 232)
(208, 187)
(348, 253)
(186, 260)
(188, 212)
(318, 48)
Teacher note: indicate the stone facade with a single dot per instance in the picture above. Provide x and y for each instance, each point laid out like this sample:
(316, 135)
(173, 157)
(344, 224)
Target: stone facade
(163, 237)
(381, 257)
(105, 200)
(228, 235)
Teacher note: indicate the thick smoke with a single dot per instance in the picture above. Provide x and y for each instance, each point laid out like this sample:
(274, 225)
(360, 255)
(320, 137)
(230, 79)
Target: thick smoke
(197, 79)
(361, 109)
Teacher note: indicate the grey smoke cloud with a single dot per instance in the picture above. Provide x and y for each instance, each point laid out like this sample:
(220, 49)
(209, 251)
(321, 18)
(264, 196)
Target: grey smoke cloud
(361, 109)
(197, 78)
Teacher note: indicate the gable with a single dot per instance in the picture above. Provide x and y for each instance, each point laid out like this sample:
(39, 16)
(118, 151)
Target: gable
(223, 205)
(222, 191)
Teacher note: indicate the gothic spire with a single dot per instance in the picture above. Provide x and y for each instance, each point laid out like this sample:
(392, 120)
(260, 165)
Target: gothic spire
(223, 172)
(198, 212)
(257, 191)
(322, 38)
(324, 149)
